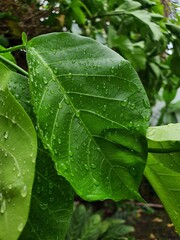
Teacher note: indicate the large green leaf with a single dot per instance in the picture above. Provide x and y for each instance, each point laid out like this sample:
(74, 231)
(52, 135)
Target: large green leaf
(51, 204)
(17, 160)
(163, 167)
(92, 113)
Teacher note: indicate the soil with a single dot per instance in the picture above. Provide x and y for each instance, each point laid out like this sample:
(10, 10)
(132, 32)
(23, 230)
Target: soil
(153, 226)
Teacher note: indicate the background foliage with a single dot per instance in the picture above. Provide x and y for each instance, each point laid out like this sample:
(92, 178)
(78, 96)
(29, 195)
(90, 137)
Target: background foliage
(144, 32)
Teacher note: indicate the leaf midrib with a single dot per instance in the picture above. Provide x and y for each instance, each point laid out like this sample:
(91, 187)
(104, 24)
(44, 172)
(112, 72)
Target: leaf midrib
(64, 93)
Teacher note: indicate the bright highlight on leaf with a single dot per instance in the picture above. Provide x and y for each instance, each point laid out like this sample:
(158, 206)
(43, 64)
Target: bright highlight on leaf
(17, 160)
(84, 97)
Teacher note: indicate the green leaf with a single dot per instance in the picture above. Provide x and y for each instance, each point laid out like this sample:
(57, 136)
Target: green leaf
(79, 218)
(174, 29)
(51, 204)
(8, 56)
(129, 5)
(145, 19)
(163, 167)
(17, 160)
(19, 88)
(92, 112)
(24, 38)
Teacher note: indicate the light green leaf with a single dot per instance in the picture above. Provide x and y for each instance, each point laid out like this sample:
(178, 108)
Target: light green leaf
(92, 112)
(17, 161)
(163, 167)
(8, 56)
(129, 5)
(51, 204)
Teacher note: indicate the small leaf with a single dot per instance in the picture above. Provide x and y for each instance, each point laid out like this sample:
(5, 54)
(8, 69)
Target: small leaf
(92, 112)
(8, 56)
(24, 38)
(17, 160)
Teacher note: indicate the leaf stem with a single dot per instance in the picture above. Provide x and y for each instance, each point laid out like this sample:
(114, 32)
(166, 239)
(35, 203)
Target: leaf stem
(11, 49)
(19, 69)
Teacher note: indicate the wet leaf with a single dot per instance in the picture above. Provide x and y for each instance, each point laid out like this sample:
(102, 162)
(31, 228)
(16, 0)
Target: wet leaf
(17, 161)
(51, 204)
(92, 113)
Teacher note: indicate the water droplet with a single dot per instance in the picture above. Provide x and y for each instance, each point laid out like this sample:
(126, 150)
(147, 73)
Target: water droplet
(104, 108)
(133, 171)
(77, 113)
(56, 70)
(132, 106)
(130, 124)
(69, 75)
(6, 134)
(60, 105)
(96, 182)
(43, 206)
(86, 167)
(66, 99)
(45, 80)
(24, 191)
(124, 103)
(3, 206)
(112, 69)
(64, 166)
(93, 165)
(20, 227)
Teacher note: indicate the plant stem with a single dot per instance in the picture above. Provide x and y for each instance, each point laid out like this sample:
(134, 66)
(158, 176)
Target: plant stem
(19, 69)
(11, 49)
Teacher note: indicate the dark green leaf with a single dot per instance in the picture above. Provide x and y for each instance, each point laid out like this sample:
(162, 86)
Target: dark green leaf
(174, 29)
(17, 161)
(18, 86)
(92, 113)
(51, 204)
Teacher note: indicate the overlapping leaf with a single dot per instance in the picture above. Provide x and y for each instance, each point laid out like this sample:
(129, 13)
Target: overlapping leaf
(17, 160)
(163, 167)
(92, 114)
(51, 204)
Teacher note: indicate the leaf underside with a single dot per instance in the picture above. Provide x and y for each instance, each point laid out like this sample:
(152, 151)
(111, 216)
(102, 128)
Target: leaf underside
(92, 114)
(163, 167)
(17, 160)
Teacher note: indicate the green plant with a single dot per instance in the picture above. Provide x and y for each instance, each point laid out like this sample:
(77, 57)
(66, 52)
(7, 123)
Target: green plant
(91, 226)
(90, 114)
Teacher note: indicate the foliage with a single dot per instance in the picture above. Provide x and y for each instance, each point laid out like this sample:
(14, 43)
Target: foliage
(140, 31)
(89, 112)
(91, 226)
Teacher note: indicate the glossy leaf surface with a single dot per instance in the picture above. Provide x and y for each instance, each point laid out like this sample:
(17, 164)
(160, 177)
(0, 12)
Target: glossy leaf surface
(163, 167)
(17, 161)
(51, 204)
(92, 113)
